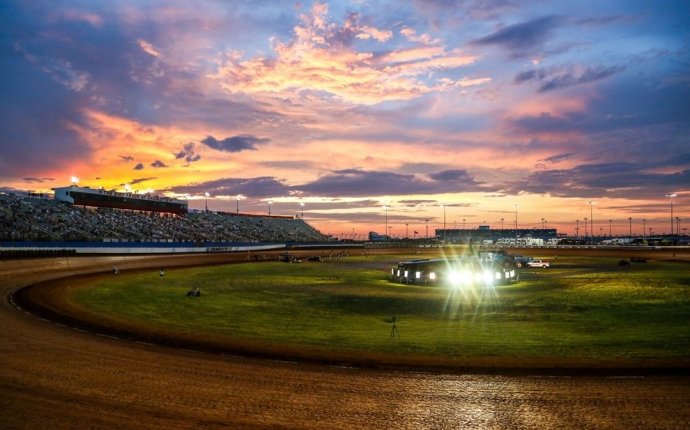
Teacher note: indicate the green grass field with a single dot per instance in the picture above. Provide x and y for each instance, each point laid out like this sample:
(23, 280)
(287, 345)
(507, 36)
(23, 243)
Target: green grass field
(582, 308)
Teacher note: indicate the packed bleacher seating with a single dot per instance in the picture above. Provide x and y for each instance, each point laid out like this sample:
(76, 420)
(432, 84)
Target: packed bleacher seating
(31, 218)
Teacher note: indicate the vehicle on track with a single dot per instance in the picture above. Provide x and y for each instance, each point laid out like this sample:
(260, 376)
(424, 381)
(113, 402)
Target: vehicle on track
(539, 263)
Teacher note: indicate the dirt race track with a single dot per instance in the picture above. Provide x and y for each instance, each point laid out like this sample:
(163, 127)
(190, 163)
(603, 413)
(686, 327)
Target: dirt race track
(54, 377)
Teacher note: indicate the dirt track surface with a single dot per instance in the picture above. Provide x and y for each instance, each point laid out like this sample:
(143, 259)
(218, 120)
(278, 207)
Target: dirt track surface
(53, 377)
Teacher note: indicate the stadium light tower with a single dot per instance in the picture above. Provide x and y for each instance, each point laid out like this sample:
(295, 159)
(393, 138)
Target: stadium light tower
(302, 207)
(385, 230)
(630, 224)
(128, 188)
(591, 219)
(610, 221)
(577, 228)
(74, 180)
(501, 223)
(670, 198)
(516, 229)
(269, 206)
(444, 222)
(427, 228)
(207, 195)
(644, 227)
(239, 197)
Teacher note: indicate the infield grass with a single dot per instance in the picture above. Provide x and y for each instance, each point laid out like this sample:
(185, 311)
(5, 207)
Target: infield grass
(581, 308)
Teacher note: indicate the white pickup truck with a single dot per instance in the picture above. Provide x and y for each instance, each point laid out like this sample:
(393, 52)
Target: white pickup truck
(538, 263)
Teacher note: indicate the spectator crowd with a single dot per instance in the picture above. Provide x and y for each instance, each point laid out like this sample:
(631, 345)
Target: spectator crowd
(32, 218)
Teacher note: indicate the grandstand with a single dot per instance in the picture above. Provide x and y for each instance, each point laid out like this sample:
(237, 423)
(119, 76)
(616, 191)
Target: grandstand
(31, 218)
(85, 196)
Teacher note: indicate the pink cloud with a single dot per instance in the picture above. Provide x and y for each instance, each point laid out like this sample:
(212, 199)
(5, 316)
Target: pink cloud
(317, 60)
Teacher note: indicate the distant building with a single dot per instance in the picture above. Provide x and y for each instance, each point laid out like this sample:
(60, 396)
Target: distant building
(485, 235)
(375, 237)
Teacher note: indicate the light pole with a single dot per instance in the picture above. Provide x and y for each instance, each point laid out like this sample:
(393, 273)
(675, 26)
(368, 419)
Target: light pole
(385, 230)
(269, 206)
(678, 226)
(501, 223)
(586, 227)
(444, 222)
(644, 228)
(670, 197)
(407, 231)
(238, 202)
(591, 219)
(577, 228)
(74, 180)
(207, 196)
(302, 206)
(427, 228)
(630, 223)
(463, 223)
(542, 223)
(610, 221)
(516, 229)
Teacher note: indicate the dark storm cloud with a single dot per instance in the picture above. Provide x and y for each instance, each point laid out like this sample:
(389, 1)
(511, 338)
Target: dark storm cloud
(31, 180)
(523, 38)
(423, 168)
(555, 78)
(549, 161)
(369, 217)
(140, 180)
(452, 175)
(187, 153)
(621, 180)
(265, 186)
(357, 182)
(623, 104)
(158, 164)
(139, 166)
(238, 143)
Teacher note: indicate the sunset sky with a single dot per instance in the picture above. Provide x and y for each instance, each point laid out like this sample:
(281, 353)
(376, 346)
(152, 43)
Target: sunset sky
(349, 107)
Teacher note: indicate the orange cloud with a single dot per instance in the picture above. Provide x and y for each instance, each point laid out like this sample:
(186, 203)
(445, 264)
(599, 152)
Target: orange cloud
(318, 61)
